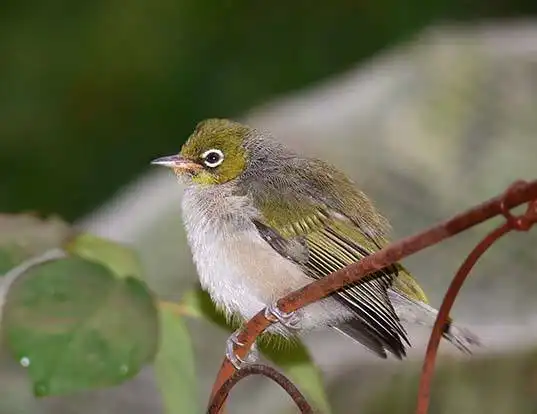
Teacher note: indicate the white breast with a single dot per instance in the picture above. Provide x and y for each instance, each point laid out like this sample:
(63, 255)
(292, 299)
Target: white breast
(241, 272)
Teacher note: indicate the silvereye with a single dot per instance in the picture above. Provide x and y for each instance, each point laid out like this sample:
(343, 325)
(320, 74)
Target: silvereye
(263, 221)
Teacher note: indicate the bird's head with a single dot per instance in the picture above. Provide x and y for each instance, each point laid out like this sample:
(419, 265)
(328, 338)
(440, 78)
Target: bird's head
(214, 153)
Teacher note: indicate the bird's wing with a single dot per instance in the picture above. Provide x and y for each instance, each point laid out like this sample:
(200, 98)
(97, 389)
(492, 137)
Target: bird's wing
(311, 213)
(322, 241)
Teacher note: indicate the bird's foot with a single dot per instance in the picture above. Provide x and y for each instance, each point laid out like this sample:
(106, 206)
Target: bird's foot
(235, 360)
(290, 320)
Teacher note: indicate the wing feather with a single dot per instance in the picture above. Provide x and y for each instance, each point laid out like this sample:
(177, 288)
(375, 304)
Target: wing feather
(324, 223)
(329, 243)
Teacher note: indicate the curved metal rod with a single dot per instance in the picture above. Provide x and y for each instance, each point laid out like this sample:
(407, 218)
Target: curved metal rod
(520, 223)
(443, 314)
(258, 369)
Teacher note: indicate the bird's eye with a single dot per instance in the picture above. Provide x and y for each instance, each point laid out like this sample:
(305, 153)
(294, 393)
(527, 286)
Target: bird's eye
(212, 158)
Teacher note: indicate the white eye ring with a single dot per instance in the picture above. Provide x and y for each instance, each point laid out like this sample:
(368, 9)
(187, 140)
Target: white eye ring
(212, 153)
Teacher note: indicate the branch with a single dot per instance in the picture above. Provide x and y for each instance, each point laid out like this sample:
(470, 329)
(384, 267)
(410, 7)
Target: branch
(519, 193)
(521, 223)
(287, 385)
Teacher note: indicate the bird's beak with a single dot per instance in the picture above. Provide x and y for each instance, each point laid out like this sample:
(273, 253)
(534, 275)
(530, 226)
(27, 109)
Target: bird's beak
(178, 163)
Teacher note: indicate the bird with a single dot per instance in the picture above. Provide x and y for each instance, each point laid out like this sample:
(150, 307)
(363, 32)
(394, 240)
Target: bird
(262, 221)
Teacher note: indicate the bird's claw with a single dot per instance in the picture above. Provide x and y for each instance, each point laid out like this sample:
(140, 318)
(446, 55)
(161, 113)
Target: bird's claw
(235, 360)
(290, 320)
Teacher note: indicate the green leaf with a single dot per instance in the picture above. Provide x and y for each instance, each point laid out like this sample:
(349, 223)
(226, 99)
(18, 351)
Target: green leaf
(122, 260)
(75, 326)
(174, 366)
(23, 236)
(292, 357)
(7, 262)
(197, 303)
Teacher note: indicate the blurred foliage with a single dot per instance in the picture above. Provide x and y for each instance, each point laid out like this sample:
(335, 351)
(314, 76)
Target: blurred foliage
(120, 259)
(75, 314)
(24, 236)
(67, 316)
(174, 366)
(100, 88)
(74, 326)
(495, 385)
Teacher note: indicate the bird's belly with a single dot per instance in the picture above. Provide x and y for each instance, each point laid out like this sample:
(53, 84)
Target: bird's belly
(241, 271)
(230, 287)
(243, 274)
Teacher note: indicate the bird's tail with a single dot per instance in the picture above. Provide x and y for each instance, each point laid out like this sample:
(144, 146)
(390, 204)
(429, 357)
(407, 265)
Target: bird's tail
(462, 338)
(418, 312)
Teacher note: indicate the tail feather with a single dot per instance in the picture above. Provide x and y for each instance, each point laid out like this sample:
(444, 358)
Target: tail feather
(420, 313)
(462, 338)
(359, 332)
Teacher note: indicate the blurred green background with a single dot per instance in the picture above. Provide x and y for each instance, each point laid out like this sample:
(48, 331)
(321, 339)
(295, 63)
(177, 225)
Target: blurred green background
(91, 91)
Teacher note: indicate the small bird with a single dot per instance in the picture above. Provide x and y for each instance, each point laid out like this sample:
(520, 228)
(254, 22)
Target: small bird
(263, 221)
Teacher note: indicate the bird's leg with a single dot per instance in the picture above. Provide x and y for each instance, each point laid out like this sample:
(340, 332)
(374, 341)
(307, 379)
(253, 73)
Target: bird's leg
(290, 320)
(235, 360)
